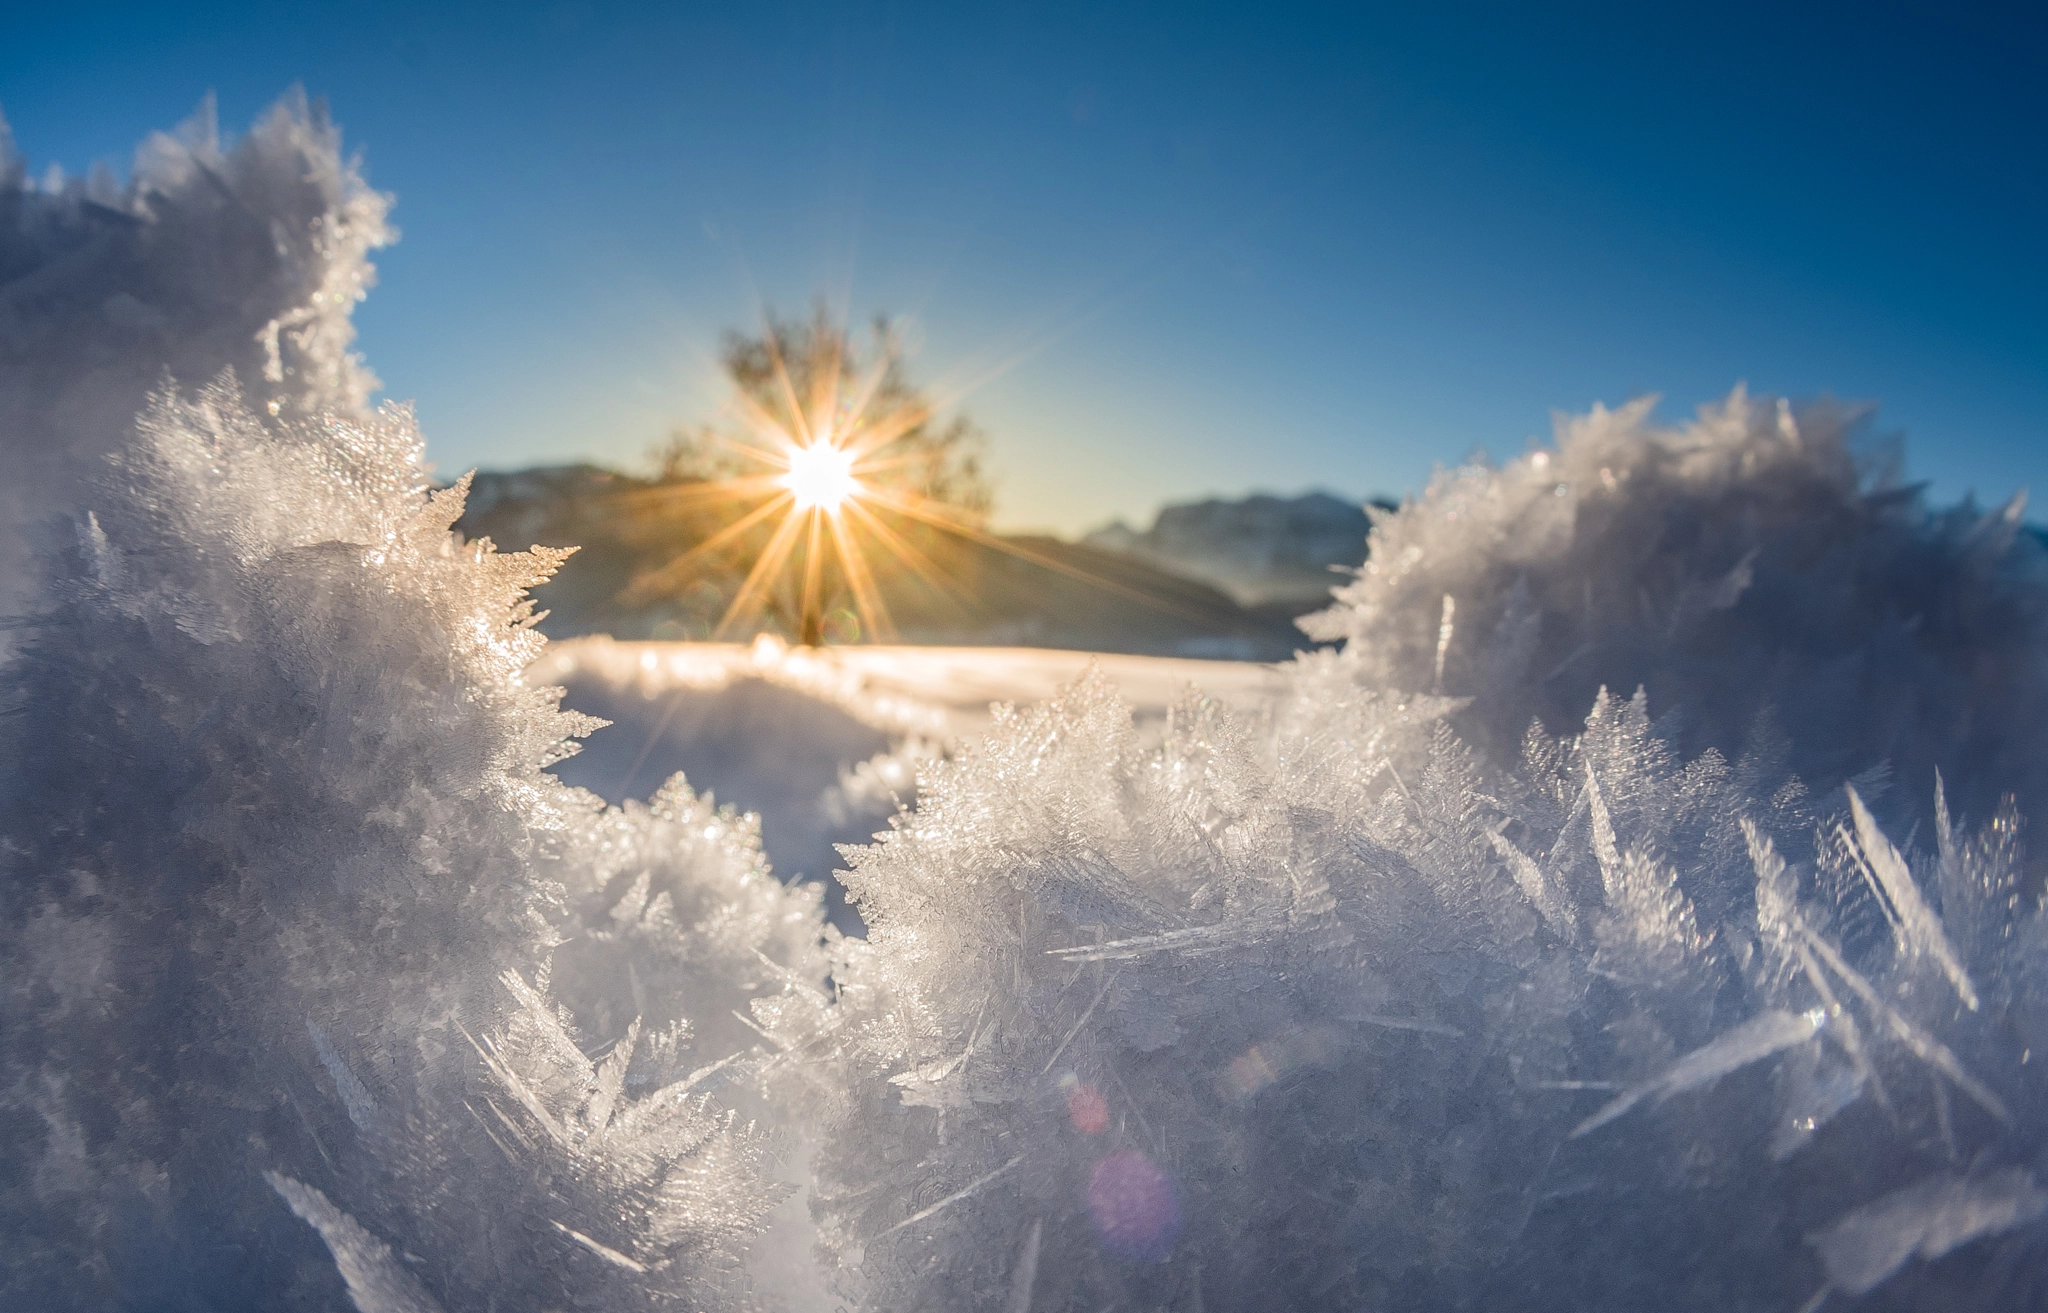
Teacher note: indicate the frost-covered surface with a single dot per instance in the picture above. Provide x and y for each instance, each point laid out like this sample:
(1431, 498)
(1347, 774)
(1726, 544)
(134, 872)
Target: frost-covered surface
(282, 888)
(824, 745)
(1453, 972)
(1750, 572)
(1405, 1003)
(302, 942)
(247, 256)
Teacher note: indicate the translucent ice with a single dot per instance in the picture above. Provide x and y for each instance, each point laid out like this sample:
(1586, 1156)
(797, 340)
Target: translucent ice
(1926, 1221)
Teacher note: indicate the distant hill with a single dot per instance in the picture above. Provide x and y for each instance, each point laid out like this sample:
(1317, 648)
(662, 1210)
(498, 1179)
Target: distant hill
(1280, 555)
(1043, 592)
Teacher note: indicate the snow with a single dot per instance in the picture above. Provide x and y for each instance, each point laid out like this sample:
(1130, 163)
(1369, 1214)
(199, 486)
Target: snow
(941, 693)
(247, 256)
(824, 745)
(1566, 940)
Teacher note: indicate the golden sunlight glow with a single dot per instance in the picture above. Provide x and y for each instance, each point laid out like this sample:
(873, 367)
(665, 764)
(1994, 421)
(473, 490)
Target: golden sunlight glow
(820, 477)
(819, 491)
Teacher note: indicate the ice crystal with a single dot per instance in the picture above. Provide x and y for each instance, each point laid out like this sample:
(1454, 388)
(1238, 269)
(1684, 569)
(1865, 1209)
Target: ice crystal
(321, 989)
(1188, 1024)
(1398, 998)
(1761, 571)
(1634, 912)
(247, 255)
(290, 803)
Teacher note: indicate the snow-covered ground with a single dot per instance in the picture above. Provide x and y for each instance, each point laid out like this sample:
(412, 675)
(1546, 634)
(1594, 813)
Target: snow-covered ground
(824, 743)
(938, 693)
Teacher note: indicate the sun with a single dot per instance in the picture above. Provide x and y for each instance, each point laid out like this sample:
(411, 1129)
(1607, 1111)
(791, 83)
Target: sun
(830, 446)
(820, 477)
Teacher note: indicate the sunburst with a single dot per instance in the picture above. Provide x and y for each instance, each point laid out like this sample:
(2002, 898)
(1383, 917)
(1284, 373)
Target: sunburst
(820, 477)
(828, 471)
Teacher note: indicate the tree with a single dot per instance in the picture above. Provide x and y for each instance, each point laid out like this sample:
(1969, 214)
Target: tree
(911, 484)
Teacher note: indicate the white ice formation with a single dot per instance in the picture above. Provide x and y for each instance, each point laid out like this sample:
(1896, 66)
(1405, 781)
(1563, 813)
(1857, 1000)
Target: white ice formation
(1630, 914)
(1430, 994)
(295, 921)
(209, 257)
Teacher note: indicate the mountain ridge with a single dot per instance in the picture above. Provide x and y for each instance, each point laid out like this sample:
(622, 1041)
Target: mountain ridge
(1027, 590)
(1268, 552)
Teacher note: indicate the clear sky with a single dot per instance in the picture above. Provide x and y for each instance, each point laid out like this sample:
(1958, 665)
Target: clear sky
(1174, 250)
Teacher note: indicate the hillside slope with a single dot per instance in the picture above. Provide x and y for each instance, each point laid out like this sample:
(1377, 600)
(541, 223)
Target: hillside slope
(1033, 591)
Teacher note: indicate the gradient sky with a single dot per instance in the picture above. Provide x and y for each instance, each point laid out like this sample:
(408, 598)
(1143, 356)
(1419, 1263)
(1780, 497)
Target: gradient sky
(1172, 250)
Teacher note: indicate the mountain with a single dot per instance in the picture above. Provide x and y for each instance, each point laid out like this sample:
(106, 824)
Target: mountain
(1027, 590)
(1281, 555)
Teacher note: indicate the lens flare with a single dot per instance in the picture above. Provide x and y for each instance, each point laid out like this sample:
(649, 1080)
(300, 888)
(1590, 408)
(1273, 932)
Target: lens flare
(1089, 1111)
(1134, 1206)
(835, 452)
(1086, 1107)
(820, 477)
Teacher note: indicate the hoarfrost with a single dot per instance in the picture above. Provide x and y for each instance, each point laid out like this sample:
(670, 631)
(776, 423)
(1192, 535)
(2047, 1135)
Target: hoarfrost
(1319, 1011)
(292, 912)
(1760, 570)
(246, 255)
(323, 991)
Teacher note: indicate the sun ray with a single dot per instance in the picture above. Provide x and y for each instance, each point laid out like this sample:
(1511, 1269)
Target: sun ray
(753, 593)
(754, 450)
(920, 563)
(913, 509)
(867, 599)
(870, 384)
(803, 435)
(882, 464)
(773, 438)
(809, 607)
(846, 449)
(825, 396)
(886, 429)
(665, 579)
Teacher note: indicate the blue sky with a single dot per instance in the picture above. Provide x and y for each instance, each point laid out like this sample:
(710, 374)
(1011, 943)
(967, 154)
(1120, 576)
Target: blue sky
(1173, 250)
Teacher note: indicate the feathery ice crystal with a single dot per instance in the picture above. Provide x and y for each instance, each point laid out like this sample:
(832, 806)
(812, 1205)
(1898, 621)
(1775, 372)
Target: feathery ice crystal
(283, 883)
(248, 257)
(1404, 1000)
(1631, 913)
